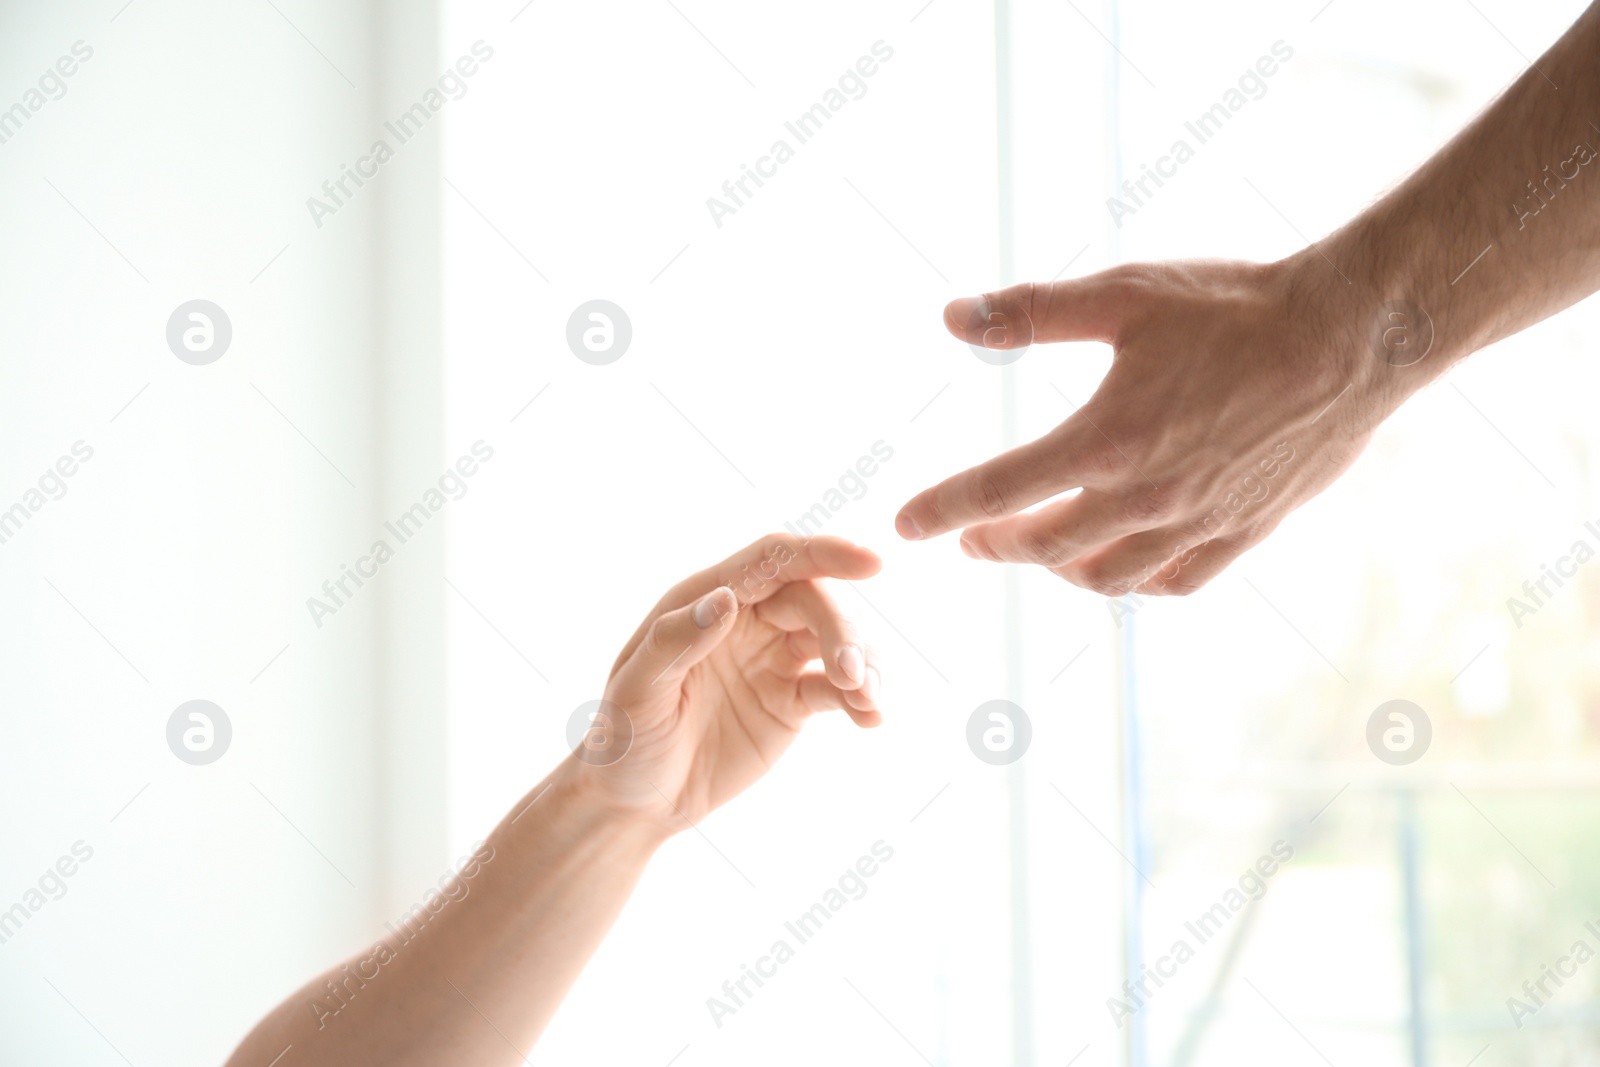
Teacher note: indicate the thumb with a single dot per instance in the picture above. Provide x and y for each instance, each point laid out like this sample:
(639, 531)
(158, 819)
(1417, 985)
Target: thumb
(676, 641)
(1080, 309)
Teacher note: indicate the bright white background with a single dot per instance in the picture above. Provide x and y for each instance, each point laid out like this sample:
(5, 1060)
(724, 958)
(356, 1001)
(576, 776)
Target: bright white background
(767, 356)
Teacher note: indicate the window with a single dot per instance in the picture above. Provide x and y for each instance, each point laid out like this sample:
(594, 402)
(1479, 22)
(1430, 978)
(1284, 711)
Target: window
(782, 330)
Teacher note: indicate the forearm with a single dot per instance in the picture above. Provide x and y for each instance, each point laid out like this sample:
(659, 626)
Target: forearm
(1498, 230)
(709, 691)
(476, 981)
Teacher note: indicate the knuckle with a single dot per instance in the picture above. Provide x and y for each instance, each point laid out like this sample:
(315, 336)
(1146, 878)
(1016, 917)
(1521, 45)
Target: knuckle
(1104, 578)
(1031, 302)
(1043, 547)
(1134, 278)
(1099, 461)
(1095, 583)
(656, 638)
(1182, 584)
(1146, 506)
(990, 496)
(1193, 571)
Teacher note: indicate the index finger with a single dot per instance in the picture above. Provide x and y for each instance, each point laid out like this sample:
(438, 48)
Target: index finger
(1011, 481)
(761, 569)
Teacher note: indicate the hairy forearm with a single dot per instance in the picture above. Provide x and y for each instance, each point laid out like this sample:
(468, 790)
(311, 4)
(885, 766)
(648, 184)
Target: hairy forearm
(1498, 230)
(477, 980)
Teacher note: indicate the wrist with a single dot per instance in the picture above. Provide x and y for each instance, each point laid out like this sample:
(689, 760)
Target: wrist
(629, 810)
(1378, 333)
(1420, 287)
(1328, 312)
(572, 799)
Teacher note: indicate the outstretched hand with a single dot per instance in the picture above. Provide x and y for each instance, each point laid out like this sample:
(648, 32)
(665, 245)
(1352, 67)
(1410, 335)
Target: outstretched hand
(1237, 392)
(715, 684)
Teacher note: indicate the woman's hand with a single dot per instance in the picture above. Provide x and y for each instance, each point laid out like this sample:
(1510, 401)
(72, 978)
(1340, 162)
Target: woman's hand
(715, 684)
(709, 691)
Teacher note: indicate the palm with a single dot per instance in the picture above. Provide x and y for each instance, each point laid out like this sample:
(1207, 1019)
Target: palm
(708, 739)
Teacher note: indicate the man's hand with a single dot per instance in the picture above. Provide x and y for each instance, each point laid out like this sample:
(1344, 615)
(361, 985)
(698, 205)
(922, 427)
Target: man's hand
(714, 684)
(1237, 392)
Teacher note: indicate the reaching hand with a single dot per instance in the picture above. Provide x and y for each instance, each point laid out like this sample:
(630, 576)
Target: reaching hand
(714, 684)
(1237, 392)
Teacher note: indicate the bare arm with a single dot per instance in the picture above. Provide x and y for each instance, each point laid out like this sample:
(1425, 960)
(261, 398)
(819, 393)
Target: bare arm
(709, 692)
(510, 934)
(1518, 187)
(1214, 422)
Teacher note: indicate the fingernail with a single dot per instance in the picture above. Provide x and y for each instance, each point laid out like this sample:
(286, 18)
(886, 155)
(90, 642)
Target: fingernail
(869, 688)
(712, 607)
(852, 663)
(908, 527)
(966, 547)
